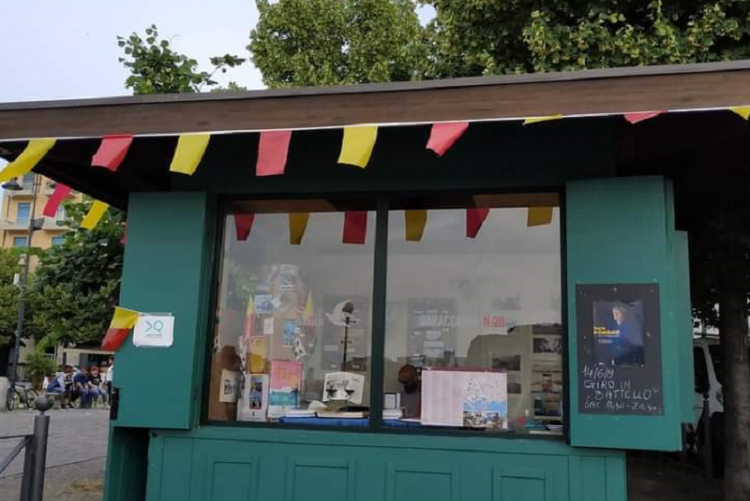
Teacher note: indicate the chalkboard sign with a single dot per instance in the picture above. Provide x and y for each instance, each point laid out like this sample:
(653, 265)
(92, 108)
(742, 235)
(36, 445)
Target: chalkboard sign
(619, 349)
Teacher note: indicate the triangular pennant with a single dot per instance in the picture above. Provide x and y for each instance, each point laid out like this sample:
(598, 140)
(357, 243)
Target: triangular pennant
(189, 153)
(273, 148)
(111, 152)
(57, 197)
(535, 120)
(27, 160)
(743, 111)
(297, 226)
(539, 216)
(94, 215)
(243, 223)
(122, 321)
(634, 118)
(308, 316)
(415, 221)
(474, 219)
(355, 227)
(357, 145)
(443, 135)
(124, 239)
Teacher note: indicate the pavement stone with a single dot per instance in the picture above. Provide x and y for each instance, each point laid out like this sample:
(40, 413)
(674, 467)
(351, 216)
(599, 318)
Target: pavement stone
(76, 452)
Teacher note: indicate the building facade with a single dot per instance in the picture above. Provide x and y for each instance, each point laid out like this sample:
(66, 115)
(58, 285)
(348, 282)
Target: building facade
(16, 214)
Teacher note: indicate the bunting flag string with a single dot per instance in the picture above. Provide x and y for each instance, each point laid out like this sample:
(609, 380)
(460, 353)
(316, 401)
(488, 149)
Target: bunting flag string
(357, 145)
(243, 223)
(443, 135)
(743, 111)
(95, 214)
(57, 197)
(27, 160)
(536, 120)
(122, 322)
(474, 219)
(539, 216)
(415, 221)
(273, 149)
(297, 226)
(641, 116)
(112, 152)
(355, 227)
(249, 328)
(189, 153)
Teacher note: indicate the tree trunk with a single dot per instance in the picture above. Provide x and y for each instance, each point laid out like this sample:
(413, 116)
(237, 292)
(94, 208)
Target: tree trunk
(736, 386)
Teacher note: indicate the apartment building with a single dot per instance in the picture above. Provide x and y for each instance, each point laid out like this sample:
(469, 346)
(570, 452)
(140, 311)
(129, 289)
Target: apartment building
(16, 214)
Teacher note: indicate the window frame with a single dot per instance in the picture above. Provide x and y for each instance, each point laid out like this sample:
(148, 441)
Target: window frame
(378, 314)
(26, 242)
(27, 205)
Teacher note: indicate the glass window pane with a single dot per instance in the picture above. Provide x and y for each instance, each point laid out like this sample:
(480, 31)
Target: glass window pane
(292, 338)
(60, 214)
(473, 325)
(19, 241)
(58, 240)
(24, 213)
(27, 182)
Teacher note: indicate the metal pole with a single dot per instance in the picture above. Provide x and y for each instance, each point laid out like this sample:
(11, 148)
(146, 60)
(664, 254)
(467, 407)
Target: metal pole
(39, 445)
(24, 285)
(28, 462)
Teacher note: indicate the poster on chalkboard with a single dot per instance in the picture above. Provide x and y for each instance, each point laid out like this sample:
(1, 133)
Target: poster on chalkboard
(619, 349)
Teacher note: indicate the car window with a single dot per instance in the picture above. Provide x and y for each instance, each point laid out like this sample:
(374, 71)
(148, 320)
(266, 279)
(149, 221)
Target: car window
(718, 362)
(701, 370)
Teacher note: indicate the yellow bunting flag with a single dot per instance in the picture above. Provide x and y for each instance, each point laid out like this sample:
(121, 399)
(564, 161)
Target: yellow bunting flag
(534, 120)
(539, 216)
(122, 321)
(308, 316)
(297, 226)
(743, 111)
(94, 215)
(415, 223)
(27, 160)
(189, 152)
(357, 145)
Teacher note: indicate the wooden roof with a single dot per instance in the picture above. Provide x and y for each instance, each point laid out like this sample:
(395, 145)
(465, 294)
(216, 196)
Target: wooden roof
(678, 87)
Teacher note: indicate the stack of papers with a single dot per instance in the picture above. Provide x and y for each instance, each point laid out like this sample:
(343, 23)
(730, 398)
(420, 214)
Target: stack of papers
(392, 414)
(298, 413)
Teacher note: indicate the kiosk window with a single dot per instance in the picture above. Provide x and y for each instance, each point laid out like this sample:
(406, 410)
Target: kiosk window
(473, 325)
(293, 312)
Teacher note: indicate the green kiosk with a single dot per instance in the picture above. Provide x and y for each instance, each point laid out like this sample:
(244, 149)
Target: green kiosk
(471, 289)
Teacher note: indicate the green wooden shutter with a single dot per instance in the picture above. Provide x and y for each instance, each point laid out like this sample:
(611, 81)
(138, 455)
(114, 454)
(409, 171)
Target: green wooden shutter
(620, 231)
(165, 272)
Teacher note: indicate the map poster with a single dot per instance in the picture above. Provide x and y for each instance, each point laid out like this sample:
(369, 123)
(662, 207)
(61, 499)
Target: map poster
(465, 399)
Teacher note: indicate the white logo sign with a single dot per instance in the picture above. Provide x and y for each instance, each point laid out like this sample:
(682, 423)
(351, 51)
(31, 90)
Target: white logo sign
(154, 331)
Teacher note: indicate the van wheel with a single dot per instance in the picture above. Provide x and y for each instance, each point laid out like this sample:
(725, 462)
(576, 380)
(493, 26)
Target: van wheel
(717, 444)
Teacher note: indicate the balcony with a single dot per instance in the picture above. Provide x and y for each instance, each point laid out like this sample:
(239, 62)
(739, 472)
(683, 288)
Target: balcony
(14, 225)
(49, 224)
(25, 191)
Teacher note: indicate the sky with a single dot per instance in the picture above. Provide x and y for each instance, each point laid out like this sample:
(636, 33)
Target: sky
(53, 49)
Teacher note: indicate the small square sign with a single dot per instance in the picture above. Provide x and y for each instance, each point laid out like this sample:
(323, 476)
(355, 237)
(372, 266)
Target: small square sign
(154, 331)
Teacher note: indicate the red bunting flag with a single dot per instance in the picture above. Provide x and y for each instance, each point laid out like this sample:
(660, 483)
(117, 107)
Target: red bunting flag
(634, 118)
(474, 219)
(443, 135)
(355, 227)
(57, 197)
(243, 223)
(272, 152)
(124, 239)
(112, 151)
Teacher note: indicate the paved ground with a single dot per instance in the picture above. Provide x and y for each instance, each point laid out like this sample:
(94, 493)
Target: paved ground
(78, 444)
(75, 455)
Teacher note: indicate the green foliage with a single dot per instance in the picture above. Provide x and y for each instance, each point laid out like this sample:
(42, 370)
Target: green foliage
(157, 69)
(38, 366)
(77, 283)
(474, 37)
(9, 266)
(328, 42)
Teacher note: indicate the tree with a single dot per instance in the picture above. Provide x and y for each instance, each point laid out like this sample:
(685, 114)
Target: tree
(9, 266)
(157, 69)
(329, 42)
(77, 283)
(489, 37)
